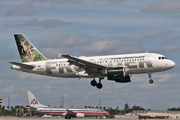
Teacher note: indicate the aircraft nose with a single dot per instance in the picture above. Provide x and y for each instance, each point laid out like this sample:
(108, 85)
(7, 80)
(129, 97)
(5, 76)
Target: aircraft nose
(172, 64)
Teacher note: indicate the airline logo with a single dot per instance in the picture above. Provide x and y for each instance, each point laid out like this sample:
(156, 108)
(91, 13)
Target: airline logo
(34, 102)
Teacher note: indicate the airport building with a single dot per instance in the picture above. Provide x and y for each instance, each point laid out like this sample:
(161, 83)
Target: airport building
(156, 114)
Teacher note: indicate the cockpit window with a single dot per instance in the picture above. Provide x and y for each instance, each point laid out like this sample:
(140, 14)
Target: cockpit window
(161, 58)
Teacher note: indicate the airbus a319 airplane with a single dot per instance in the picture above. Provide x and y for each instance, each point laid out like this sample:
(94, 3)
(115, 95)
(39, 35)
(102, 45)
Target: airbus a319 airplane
(118, 68)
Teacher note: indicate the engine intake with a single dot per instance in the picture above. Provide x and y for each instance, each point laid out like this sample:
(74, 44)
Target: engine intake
(80, 115)
(118, 74)
(115, 73)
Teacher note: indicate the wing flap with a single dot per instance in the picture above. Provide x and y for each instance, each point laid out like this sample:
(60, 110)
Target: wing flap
(23, 65)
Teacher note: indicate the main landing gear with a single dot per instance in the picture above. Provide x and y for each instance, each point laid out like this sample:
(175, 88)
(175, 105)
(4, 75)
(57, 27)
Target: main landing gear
(67, 117)
(98, 85)
(150, 81)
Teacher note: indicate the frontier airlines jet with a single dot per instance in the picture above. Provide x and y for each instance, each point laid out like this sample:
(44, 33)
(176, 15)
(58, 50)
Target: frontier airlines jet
(118, 68)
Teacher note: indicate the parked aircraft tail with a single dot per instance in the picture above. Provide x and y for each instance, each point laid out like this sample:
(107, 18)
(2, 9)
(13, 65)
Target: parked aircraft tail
(27, 51)
(33, 101)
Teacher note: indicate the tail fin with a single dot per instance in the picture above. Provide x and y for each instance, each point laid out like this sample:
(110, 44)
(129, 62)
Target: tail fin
(33, 101)
(27, 51)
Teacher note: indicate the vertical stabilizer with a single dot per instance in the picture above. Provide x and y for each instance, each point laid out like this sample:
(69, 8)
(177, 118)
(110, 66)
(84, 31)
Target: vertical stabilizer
(33, 101)
(27, 51)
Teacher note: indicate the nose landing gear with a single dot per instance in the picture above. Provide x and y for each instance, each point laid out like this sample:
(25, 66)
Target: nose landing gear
(150, 81)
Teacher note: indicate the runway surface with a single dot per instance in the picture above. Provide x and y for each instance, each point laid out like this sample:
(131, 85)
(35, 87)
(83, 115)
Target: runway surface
(57, 118)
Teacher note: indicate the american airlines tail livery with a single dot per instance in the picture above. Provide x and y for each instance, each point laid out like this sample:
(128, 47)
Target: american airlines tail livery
(118, 68)
(64, 111)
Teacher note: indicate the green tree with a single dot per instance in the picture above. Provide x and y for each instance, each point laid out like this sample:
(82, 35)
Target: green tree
(127, 108)
(137, 108)
(173, 109)
(3, 108)
(13, 111)
(8, 107)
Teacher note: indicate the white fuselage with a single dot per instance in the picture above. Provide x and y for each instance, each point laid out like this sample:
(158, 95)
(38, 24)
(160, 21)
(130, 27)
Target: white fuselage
(133, 64)
(79, 111)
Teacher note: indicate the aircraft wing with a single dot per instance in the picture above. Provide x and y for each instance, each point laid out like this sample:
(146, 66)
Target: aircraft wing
(89, 67)
(69, 112)
(23, 65)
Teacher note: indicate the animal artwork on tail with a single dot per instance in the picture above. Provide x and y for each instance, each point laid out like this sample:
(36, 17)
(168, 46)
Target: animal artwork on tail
(27, 50)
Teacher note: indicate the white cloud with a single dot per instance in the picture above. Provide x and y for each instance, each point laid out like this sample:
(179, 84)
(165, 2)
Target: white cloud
(48, 87)
(166, 6)
(170, 41)
(8, 89)
(59, 1)
(164, 78)
(64, 43)
(14, 95)
(47, 23)
(157, 33)
(24, 9)
(9, 56)
(168, 46)
(63, 40)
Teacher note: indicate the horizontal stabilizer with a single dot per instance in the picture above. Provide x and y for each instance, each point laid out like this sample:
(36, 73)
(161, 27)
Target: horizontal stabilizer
(23, 65)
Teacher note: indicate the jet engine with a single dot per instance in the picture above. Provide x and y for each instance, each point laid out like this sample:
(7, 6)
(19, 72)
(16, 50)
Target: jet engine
(118, 74)
(79, 115)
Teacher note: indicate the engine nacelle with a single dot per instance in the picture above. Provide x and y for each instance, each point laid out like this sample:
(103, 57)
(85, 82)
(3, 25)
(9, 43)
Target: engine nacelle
(118, 74)
(127, 78)
(80, 115)
(115, 73)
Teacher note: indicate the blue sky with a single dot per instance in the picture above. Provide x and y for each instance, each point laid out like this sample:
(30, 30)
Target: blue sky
(85, 28)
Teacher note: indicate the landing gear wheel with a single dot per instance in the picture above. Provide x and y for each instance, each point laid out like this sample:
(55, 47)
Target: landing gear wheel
(151, 81)
(150, 76)
(93, 83)
(99, 86)
(67, 117)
